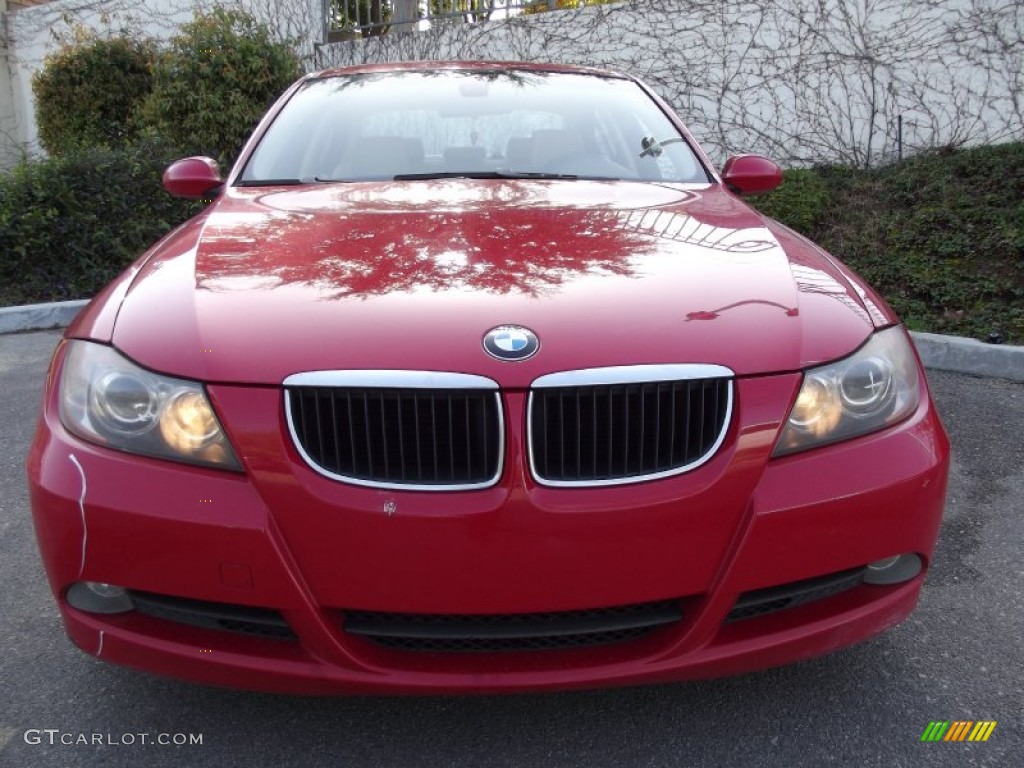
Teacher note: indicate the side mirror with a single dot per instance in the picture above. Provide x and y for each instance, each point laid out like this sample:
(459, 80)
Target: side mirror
(193, 177)
(751, 174)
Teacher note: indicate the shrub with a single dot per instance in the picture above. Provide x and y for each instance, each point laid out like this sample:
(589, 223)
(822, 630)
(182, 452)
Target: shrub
(940, 236)
(800, 202)
(88, 93)
(215, 81)
(70, 224)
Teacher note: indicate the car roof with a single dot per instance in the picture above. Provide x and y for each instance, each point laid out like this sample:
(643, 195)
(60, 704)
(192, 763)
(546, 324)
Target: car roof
(467, 66)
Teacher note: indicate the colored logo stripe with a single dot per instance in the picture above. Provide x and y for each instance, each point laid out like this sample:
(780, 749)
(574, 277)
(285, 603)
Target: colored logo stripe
(935, 730)
(958, 730)
(982, 730)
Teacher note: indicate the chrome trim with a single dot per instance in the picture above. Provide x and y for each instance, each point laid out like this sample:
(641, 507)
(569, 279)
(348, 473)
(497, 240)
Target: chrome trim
(569, 376)
(490, 482)
(632, 374)
(395, 379)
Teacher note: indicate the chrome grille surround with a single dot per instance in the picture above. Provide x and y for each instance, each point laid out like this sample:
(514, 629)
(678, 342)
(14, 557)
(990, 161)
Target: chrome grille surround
(629, 375)
(428, 381)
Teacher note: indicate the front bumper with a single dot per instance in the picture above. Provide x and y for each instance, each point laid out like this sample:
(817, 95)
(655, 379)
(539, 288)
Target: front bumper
(279, 538)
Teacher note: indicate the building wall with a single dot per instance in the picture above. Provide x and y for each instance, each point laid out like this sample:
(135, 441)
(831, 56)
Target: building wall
(10, 130)
(804, 81)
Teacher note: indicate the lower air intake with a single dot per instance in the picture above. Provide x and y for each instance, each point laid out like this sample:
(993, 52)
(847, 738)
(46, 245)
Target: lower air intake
(241, 619)
(461, 633)
(761, 602)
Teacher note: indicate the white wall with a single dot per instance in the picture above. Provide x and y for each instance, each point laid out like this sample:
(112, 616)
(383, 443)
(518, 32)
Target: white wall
(803, 81)
(10, 125)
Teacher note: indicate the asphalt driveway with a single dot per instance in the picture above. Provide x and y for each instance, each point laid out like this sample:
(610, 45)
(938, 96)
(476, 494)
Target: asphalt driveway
(959, 657)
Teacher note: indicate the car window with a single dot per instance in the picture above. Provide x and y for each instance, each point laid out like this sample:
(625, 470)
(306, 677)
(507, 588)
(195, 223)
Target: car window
(377, 126)
(438, 132)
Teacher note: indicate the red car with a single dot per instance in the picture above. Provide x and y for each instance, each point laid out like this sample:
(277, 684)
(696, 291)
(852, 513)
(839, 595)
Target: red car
(479, 377)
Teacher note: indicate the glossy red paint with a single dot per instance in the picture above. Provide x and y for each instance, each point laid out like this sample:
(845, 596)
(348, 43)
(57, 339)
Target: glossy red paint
(314, 547)
(270, 282)
(751, 174)
(193, 177)
(298, 272)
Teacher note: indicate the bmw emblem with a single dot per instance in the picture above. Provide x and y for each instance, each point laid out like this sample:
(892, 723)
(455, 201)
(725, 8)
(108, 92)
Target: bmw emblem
(511, 342)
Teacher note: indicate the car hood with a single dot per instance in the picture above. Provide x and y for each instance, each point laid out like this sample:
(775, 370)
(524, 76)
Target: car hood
(412, 275)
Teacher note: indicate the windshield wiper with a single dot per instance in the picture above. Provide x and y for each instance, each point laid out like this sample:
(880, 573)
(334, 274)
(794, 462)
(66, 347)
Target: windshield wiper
(499, 174)
(270, 182)
(288, 182)
(652, 147)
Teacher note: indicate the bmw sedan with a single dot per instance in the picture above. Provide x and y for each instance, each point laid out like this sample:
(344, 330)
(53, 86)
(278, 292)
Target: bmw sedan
(481, 377)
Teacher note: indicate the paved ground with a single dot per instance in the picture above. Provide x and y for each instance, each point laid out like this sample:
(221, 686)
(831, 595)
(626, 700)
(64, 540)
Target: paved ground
(960, 656)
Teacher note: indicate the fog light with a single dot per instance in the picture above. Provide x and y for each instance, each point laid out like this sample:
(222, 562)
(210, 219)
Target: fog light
(97, 597)
(893, 570)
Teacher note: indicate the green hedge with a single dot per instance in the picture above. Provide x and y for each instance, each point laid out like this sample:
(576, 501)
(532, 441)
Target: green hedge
(801, 201)
(940, 236)
(215, 81)
(205, 91)
(90, 91)
(70, 224)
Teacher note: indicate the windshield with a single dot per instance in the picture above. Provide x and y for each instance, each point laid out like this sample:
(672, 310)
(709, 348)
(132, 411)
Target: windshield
(480, 124)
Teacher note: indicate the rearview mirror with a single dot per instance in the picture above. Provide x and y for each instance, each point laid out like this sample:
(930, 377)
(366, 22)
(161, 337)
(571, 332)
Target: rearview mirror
(193, 177)
(751, 174)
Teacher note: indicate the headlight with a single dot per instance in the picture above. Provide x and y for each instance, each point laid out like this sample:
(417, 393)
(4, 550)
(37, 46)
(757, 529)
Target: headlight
(107, 399)
(873, 388)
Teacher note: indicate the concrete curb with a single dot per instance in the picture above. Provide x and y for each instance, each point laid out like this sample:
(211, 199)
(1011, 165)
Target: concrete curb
(944, 353)
(38, 317)
(955, 353)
